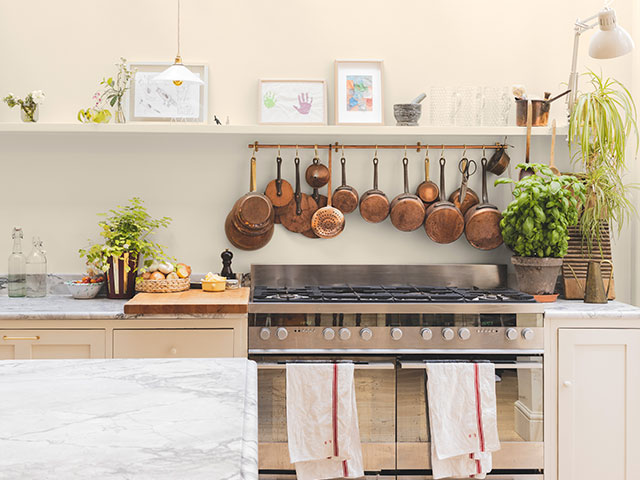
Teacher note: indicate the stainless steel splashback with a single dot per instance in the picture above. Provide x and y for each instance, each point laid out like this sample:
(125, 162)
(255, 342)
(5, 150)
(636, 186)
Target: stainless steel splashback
(463, 275)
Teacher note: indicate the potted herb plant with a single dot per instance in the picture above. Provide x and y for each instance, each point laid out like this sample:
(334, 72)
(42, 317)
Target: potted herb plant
(126, 232)
(601, 123)
(535, 224)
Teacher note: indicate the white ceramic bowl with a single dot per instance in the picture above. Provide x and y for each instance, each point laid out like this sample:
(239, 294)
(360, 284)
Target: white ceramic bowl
(84, 290)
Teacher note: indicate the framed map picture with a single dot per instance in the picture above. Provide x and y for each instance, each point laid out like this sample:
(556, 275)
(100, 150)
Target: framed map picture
(358, 92)
(287, 102)
(161, 101)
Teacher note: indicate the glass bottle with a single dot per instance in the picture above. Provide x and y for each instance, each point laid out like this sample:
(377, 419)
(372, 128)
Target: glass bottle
(17, 266)
(37, 270)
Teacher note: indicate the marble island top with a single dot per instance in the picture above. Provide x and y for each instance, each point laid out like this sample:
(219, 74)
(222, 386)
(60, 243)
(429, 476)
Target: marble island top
(139, 419)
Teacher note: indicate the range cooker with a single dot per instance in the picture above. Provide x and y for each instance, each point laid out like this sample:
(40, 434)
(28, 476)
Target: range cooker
(389, 321)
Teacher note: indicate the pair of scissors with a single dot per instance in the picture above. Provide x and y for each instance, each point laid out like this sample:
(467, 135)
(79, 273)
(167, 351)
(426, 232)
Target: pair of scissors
(467, 168)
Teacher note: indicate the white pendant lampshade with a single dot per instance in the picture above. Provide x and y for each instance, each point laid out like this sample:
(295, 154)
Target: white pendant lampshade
(178, 73)
(611, 40)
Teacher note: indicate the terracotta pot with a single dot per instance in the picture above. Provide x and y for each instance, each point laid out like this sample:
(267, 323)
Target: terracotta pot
(120, 283)
(537, 276)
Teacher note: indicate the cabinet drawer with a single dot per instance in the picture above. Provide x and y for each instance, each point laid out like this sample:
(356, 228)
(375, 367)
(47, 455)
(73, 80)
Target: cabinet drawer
(52, 344)
(177, 343)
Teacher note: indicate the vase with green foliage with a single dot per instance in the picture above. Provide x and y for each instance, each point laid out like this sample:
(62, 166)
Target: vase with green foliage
(602, 122)
(127, 235)
(535, 225)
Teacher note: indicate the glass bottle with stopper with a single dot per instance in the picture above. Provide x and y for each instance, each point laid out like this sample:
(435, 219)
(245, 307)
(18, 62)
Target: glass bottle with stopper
(17, 266)
(37, 270)
(226, 272)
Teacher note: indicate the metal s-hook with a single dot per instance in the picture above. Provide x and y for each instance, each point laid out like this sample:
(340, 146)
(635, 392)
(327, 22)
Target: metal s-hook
(405, 151)
(279, 154)
(442, 152)
(342, 151)
(484, 152)
(375, 155)
(297, 156)
(464, 153)
(426, 152)
(315, 148)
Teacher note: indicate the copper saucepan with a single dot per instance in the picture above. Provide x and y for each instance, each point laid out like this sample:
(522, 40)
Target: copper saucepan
(482, 221)
(374, 204)
(407, 210)
(345, 197)
(445, 222)
(296, 216)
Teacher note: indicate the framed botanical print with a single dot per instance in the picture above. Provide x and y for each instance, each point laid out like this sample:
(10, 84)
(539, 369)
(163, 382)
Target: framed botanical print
(358, 92)
(158, 101)
(292, 102)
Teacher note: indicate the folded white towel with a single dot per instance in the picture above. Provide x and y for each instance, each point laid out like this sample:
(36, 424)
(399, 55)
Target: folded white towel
(463, 418)
(322, 421)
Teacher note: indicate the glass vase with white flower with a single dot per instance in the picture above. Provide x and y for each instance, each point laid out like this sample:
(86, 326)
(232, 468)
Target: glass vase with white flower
(29, 111)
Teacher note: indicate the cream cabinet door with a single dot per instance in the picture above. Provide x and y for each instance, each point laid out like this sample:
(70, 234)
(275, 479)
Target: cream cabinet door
(51, 344)
(173, 343)
(598, 404)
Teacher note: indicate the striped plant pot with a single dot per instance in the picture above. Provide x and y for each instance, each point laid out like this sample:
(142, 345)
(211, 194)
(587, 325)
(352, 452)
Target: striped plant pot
(120, 282)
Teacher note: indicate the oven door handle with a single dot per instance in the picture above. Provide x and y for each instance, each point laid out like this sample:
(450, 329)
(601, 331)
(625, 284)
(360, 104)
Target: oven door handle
(357, 366)
(499, 366)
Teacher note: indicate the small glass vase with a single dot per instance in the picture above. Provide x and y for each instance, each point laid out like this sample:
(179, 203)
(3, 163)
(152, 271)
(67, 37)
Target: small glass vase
(119, 114)
(30, 115)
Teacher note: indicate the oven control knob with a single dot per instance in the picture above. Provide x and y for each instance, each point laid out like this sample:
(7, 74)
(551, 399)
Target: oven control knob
(426, 334)
(328, 334)
(344, 334)
(282, 333)
(511, 333)
(366, 334)
(464, 333)
(528, 334)
(396, 333)
(265, 333)
(447, 334)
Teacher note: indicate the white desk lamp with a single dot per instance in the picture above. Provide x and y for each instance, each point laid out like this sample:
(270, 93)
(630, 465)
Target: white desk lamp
(610, 41)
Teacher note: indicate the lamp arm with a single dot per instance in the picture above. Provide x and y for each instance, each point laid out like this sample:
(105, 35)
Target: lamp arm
(579, 27)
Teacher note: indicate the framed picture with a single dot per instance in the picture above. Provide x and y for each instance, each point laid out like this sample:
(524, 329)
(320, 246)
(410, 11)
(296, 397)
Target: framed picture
(161, 101)
(358, 92)
(286, 102)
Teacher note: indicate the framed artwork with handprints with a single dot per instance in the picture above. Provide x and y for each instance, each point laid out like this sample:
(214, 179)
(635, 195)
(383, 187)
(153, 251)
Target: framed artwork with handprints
(157, 101)
(358, 92)
(286, 102)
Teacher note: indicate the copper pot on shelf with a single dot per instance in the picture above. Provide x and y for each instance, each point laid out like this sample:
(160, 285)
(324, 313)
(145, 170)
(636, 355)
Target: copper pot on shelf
(540, 110)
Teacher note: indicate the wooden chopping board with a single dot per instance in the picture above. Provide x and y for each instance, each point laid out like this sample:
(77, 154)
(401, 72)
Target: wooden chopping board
(189, 302)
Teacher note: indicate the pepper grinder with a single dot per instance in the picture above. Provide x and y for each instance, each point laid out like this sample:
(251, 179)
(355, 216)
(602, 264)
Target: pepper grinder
(226, 272)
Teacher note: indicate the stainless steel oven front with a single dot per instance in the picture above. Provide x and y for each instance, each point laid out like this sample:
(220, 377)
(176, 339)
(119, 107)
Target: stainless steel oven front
(390, 381)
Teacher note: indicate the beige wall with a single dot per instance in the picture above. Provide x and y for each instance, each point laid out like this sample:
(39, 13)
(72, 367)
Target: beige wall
(54, 185)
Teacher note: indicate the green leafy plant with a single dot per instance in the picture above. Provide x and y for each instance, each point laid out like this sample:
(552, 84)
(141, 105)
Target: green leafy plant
(535, 223)
(601, 123)
(127, 230)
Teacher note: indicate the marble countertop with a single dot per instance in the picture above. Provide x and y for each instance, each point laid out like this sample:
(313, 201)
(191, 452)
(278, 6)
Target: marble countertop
(138, 419)
(571, 309)
(60, 307)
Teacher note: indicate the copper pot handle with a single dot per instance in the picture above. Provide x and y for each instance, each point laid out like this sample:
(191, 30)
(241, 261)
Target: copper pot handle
(279, 177)
(405, 164)
(375, 173)
(485, 195)
(252, 179)
(443, 197)
(343, 161)
(297, 194)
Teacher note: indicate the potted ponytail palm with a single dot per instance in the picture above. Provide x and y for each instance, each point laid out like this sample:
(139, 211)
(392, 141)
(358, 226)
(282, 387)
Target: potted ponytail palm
(535, 225)
(126, 231)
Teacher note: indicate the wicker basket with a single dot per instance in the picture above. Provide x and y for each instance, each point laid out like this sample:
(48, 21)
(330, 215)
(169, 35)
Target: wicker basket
(163, 286)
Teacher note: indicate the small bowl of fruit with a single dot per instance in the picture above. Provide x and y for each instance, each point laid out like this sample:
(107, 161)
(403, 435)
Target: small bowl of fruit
(87, 288)
(164, 277)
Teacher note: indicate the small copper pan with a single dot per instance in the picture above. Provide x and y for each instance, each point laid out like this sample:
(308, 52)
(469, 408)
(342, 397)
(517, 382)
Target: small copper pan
(428, 191)
(374, 204)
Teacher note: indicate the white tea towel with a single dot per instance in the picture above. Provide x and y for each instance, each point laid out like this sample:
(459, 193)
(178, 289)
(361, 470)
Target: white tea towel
(462, 417)
(322, 421)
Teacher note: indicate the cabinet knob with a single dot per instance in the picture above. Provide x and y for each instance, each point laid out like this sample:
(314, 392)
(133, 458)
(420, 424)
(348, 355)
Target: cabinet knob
(567, 383)
(173, 351)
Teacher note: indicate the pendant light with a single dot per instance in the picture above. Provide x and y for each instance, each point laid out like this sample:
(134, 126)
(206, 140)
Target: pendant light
(178, 73)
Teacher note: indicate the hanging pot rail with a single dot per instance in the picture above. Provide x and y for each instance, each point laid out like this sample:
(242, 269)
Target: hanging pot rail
(418, 146)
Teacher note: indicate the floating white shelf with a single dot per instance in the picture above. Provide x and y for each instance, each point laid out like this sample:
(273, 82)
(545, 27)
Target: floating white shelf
(271, 130)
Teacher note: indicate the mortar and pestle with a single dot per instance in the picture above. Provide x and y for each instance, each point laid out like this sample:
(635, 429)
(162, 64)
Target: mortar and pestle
(408, 114)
